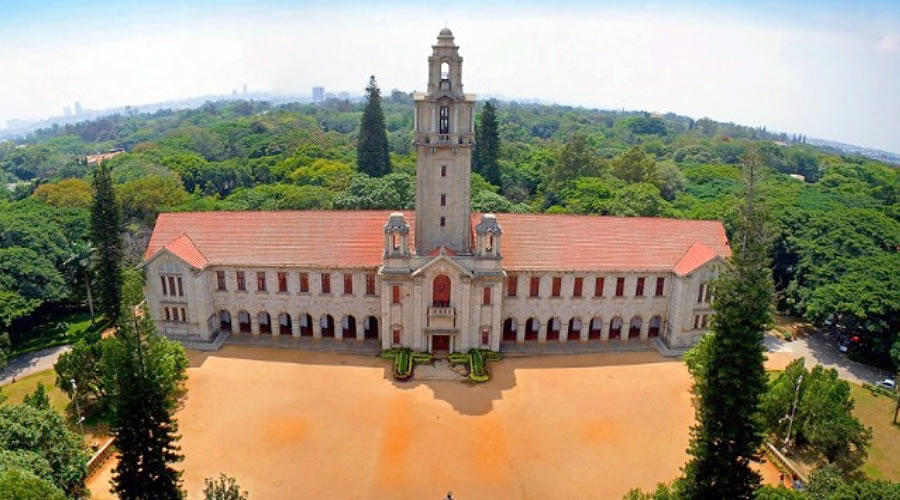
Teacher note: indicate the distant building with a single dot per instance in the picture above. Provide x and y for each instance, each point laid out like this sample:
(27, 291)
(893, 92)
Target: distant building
(318, 94)
(78, 109)
(343, 95)
(245, 89)
(67, 111)
(97, 158)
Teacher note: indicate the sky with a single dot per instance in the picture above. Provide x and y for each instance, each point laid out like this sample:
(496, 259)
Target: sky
(826, 69)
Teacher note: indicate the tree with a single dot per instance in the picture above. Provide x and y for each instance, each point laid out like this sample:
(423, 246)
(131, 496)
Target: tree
(38, 399)
(70, 193)
(31, 275)
(729, 432)
(44, 433)
(223, 488)
(143, 198)
(634, 166)
(145, 374)
(83, 364)
(489, 147)
(107, 239)
(578, 158)
(12, 307)
(18, 484)
(81, 261)
(372, 151)
(639, 200)
(669, 180)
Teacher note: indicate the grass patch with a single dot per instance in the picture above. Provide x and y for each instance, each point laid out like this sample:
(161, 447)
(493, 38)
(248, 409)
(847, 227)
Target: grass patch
(62, 330)
(877, 411)
(96, 429)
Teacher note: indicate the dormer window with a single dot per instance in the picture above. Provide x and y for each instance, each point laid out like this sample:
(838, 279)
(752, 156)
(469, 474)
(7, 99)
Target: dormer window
(490, 243)
(396, 241)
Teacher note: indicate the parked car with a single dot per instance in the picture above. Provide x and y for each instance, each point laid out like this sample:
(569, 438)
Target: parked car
(887, 383)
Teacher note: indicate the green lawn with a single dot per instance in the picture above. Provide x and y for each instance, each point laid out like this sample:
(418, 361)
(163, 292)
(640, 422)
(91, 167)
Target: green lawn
(877, 412)
(61, 330)
(16, 391)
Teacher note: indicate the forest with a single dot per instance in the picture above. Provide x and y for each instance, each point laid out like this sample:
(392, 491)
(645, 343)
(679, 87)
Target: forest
(834, 220)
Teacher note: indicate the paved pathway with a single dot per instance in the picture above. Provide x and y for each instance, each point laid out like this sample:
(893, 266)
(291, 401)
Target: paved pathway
(33, 362)
(821, 348)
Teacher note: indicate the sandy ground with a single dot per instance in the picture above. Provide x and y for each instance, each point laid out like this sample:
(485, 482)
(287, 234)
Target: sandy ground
(292, 424)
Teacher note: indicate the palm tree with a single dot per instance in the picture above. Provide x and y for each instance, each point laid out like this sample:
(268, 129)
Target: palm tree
(82, 260)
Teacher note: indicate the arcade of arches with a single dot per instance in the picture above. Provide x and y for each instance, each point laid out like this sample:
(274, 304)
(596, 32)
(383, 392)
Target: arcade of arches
(300, 325)
(555, 329)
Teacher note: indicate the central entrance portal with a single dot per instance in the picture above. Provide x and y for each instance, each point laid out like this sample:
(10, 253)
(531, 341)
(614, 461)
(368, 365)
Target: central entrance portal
(440, 343)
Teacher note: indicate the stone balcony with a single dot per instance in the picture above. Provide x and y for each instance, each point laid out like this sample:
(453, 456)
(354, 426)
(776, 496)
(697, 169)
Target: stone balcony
(441, 317)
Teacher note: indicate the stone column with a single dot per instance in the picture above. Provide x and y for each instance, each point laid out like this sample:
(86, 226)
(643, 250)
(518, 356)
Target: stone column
(235, 321)
(295, 327)
(564, 331)
(604, 329)
(317, 327)
(275, 324)
(645, 328)
(339, 329)
(584, 332)
(543, 326)
(254, 324)
(520, 332)
(360, 329)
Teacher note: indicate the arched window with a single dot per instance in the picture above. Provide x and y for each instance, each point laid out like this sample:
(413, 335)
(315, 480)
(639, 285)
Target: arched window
(634, 329)
(445, 70)
(510, 326)
(225, 321)
(655, 323)
(553, 327)
(615, 328)
(531, 329)
(444, 120)
(244, 321)
(596, 328)
(395, 241)
(284, 324)
(440, 292)
(265, 326)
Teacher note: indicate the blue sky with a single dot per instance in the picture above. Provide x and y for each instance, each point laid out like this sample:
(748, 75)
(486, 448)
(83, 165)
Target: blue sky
(826, 69)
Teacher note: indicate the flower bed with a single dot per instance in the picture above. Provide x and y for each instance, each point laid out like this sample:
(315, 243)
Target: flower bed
(476, 359)
(404, 361)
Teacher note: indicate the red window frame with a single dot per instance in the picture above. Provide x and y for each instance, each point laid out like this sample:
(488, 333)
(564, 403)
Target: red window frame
(370, 284)
(304, 282)
(261, 281)
(282, 282)
(241, 282)
(535, 286)
(620, 287)
(577, 286)
(395, 334)
(326, 283)
(639, 287)
(220, 280)
(557, 286)
(512, 286)
(395, 294)
(486, 296)
(598, 287)
(348, 284)
(485, 336)
(660, 286)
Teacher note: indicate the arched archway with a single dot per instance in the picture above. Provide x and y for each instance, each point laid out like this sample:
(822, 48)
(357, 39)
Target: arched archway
(284, 324)
(440, 291)
(224, 321)
(574, 329)
(615, 328)
(244, 322)
(553, 327)
(348, 327)
(655, 324)
(531, 329)
(595, 328)
(306, 329)
(326, 322)
(370, 327)
(510, 327)
(634, 330)
(265, 322)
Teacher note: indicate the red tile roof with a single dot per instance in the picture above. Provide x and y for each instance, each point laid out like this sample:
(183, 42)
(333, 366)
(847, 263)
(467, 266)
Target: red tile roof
(695, 257)
(183, 247)
(355, 239)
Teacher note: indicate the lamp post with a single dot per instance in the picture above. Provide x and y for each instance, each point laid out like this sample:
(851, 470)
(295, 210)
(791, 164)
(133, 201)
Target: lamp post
(787, 440)
(77, 409)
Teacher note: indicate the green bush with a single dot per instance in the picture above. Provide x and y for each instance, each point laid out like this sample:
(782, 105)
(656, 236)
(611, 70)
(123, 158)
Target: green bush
(404, 359)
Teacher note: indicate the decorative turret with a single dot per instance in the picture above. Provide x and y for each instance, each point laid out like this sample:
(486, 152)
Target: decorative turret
(487, 236)
(396, 236)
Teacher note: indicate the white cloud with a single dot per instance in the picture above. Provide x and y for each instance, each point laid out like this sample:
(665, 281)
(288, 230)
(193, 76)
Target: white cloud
(889, 43)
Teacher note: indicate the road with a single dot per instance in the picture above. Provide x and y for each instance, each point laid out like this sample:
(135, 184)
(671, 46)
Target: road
(33, 362)
(820, 348)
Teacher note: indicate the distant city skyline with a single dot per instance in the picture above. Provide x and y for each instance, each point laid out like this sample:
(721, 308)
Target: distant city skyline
(828, 70)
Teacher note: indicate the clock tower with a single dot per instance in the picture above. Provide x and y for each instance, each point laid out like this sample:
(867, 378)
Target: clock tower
(444, 138)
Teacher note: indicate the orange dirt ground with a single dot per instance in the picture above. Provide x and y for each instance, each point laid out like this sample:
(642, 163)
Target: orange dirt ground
(293, 424)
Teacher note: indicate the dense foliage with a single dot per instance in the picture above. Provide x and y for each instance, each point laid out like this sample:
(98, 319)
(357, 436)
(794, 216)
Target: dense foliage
(837, 231)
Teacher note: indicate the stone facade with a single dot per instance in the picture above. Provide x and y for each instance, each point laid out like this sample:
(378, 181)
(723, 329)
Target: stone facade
(443, 291)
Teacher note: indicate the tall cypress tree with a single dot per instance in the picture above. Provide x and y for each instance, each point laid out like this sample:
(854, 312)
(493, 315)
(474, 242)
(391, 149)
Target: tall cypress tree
(729, 431)
(105, 235)
(145, 373)
(489, 147)
(372, 154)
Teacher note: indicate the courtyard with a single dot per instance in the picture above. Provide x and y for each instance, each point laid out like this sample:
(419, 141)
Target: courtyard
(296, 424)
